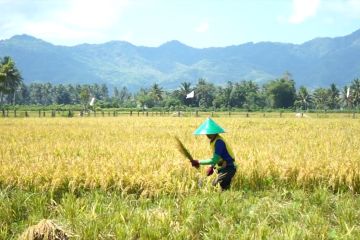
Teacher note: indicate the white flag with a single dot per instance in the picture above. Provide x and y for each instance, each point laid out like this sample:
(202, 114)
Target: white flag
(92, 101)
(348, 92)
(190, 95)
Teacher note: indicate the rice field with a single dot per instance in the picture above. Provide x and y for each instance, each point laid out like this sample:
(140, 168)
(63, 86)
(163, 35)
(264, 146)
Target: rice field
(123, 178)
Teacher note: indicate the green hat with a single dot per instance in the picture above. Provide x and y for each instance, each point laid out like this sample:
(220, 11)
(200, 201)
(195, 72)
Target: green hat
(209, 127)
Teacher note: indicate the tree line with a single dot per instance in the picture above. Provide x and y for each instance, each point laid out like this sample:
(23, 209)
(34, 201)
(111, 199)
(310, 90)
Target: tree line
(277, 93)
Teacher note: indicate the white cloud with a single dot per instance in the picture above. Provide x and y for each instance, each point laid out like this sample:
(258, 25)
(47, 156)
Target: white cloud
(66, 22)
(303, 9)
(354, 4)
(202, 27)
(354, 8)
(349, 8)
(91, 14)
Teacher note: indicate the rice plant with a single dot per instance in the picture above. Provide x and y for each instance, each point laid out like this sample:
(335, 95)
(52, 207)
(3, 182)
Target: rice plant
(105, 177)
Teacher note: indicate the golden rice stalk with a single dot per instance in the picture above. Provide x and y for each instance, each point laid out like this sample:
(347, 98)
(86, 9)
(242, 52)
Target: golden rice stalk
(183, 149)
(45, 229)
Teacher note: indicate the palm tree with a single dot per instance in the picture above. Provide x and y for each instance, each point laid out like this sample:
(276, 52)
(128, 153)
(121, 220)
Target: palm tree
(185, 88)
(321, 98)
(85, 97)
(355, 92)
(345, 98)
(156, 92)
(304, 97)
(10, 77)
(334, 96)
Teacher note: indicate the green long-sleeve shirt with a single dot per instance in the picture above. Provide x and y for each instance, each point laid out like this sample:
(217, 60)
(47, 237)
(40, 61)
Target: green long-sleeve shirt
(211, 161)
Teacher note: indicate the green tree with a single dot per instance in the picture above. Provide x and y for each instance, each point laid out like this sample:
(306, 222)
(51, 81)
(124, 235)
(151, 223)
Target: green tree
(238, 95)
(95, 90)
(223, 96)
(144, 99)
(220, 98)
(334, 96)
(156, 93)
(321, 98)
(23, 96)
(85, 96)
(10, 77)
(185, 88)
(35, 93)
(345, 99)
(104, 92)
(303, 98)
(252, 95)
(74, 94)
(124, 95)
(355, 92)
(2, 77)
(116, 92)
(172, 99)
(47, 93)
(62, 95)
(227, 94)
(281, 93)
(205, 93)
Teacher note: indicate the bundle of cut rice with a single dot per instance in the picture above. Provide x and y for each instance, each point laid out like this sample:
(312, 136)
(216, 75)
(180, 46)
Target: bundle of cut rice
(183, 149)
(45, 230)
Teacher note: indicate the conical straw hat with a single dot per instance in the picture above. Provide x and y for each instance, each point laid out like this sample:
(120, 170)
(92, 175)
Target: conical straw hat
(209, 127)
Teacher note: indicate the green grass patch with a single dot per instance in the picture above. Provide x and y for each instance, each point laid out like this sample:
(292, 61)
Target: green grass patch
(264, 214)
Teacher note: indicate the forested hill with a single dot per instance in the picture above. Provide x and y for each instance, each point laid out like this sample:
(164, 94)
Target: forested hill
(315, 63)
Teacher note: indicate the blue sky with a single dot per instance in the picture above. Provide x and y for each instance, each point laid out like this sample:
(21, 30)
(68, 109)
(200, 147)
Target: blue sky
(197, 23)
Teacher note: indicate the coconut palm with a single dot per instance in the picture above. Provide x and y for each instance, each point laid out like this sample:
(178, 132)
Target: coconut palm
(355, 92)
(334, 96)
(156, 92)
(345, 98)
(304, 97)
(321, 98)
(10, 78)
(185, 88)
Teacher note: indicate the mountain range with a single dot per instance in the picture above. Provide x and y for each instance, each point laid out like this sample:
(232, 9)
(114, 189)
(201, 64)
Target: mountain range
(315, 63)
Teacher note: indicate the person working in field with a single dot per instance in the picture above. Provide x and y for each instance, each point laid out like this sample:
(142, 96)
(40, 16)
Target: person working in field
(223, 156)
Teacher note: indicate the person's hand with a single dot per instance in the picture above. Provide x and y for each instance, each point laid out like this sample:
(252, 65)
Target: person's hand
(209, 171)
(195, 163)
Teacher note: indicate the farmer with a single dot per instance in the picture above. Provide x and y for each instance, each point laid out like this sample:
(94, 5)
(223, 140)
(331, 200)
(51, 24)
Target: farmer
(223, 156)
